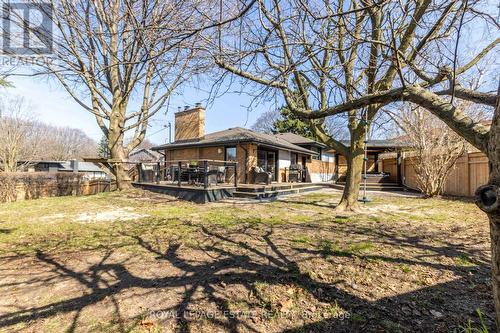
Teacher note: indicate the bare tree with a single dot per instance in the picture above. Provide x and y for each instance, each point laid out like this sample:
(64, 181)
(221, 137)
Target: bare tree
(435, 147)
(21, 134)
(24, 138)
(356, 57)
(120, 61)
(349, 57)
(64, 143)
(265, 122)
(146, 143)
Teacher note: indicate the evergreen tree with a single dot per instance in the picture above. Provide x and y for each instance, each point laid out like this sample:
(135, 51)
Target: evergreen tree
(103, 148)
(288, 122)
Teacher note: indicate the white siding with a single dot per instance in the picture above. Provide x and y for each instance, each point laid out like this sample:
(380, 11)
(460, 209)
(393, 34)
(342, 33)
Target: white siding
(327, 157)
(284, 159)
(321, 177)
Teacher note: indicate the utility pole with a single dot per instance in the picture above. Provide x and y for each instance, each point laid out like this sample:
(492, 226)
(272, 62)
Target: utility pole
(169, 125)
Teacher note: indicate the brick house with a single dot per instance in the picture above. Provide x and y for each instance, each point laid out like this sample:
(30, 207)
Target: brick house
(276, 154)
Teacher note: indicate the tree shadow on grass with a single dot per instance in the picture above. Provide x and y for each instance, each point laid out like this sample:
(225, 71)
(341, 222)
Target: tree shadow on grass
(251, 255)
(316, 203)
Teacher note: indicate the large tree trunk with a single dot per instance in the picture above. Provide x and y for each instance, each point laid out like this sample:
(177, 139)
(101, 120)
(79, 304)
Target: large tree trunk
(495, 262)
(349, 201)
(118, 155)
(488, 199)
(123, 180)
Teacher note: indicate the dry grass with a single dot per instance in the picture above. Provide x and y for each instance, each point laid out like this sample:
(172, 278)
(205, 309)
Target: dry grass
(140, 262)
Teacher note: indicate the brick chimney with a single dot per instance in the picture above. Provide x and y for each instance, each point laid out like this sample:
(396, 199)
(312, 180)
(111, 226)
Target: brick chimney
(190, 123)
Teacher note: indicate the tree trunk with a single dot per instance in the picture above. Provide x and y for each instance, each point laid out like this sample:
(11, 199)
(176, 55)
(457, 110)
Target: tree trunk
(123, 180)
(349, 201)
(488, 199)
(495, 262)
(118, 156)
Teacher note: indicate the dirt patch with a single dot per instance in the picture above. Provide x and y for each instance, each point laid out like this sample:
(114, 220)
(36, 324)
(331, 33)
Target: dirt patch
(121, 214)
(51, 218)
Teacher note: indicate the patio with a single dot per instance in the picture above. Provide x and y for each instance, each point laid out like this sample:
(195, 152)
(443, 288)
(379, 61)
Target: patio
(189, 173)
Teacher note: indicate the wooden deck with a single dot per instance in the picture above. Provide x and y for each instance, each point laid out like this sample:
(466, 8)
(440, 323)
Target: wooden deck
(274, 190)
(194, 193)
(199, 194)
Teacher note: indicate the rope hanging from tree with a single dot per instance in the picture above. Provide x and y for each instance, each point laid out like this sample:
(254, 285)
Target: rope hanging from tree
(364, 122)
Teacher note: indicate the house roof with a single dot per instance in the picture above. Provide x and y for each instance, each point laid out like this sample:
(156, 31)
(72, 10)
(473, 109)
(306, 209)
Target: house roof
(298, 139)
(66, 165)
(150, 152)
(234, 136)
(82, 167)
(389, 143)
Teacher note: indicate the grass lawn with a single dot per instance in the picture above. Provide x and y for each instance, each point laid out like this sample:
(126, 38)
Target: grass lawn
(143, 262)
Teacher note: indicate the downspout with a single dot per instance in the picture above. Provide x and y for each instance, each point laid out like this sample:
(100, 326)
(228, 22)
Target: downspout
(164, 163)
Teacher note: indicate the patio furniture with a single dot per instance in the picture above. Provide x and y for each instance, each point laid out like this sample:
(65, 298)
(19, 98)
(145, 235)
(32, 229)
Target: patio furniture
(295, 173)
(261, 176)
(221, 174)
(213, 175)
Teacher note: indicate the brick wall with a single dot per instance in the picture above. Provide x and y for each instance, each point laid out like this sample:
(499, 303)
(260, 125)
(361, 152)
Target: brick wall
(190, 124)
(212, 153)
(320, 171)
(248, 157)
(182, 154)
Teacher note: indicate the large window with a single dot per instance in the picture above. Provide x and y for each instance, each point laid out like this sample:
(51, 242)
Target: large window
(230, 154)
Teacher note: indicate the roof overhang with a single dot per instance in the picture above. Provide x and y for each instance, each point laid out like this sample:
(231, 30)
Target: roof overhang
(182, 145)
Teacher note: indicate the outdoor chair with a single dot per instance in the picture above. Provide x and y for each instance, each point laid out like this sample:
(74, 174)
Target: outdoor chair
(214, 175)
(261, 176)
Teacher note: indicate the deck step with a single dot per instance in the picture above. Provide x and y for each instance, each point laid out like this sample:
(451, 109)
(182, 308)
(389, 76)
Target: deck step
(375, 184)
(377, 187)
(271, 187)
(372, 178)
(272, 194)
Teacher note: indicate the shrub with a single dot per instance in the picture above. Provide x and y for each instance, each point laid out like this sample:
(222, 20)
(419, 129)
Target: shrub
(33, 185)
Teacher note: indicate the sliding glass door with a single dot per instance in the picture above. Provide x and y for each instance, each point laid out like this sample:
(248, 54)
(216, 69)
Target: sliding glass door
(267, 161)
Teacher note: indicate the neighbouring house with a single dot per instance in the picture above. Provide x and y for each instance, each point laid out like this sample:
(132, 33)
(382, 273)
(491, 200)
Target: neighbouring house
(145, 155)
(88, 169)
(287, 157)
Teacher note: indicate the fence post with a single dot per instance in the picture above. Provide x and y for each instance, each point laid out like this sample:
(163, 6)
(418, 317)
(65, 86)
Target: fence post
(179, 174)
(467, 174)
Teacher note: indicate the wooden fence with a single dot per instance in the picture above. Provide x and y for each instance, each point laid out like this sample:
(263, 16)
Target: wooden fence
(27, 186)
(469, 172)
(97, 186)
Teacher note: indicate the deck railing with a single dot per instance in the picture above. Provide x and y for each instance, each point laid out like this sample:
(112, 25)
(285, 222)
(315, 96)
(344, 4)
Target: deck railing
(203, 173)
